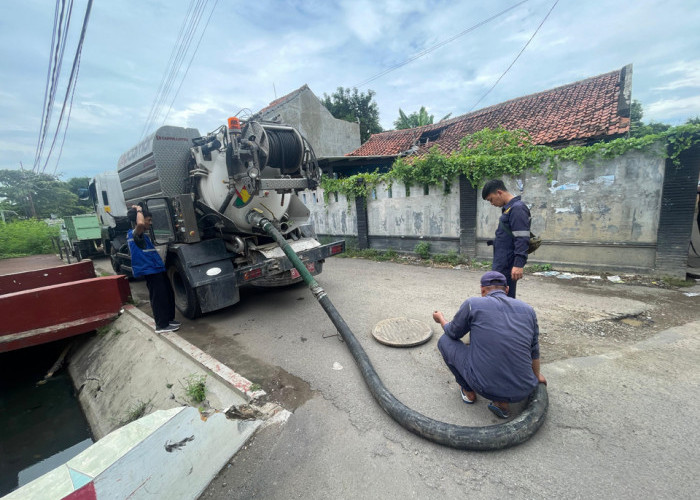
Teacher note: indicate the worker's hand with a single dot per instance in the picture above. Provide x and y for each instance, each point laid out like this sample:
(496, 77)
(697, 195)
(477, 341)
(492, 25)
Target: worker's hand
(438, 317)
(516, 273)
(541, 379)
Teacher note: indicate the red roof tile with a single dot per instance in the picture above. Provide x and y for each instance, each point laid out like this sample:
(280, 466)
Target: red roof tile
(589, 110)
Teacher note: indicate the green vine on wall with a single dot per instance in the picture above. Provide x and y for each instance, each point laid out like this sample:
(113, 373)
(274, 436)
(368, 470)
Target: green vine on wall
(489, 154)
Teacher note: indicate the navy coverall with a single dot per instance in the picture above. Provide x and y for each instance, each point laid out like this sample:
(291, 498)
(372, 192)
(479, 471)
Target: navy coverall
(504, 341)
(512, 240)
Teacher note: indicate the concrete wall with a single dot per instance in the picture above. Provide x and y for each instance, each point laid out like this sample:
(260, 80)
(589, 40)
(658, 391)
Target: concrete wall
(601, 215)
(611, 206)
(327, 135)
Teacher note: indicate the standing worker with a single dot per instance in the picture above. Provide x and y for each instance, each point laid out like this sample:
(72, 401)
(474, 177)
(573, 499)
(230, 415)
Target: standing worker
(512, 235)
(502, 360)
(146, 262)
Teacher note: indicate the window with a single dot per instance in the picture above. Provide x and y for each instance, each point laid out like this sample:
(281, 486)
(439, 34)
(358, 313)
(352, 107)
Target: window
(408, 191)
(105, 200)
(426, 190)
(389, 192)
(335, 196)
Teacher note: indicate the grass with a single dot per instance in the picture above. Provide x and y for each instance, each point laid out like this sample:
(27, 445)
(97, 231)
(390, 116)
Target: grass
(255, 387)
(679, 282)
(536, 268)
(26, 237)
(135, 411)
(195, 388)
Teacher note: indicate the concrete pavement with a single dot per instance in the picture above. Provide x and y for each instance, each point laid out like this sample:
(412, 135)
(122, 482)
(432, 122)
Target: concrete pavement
(621, 362)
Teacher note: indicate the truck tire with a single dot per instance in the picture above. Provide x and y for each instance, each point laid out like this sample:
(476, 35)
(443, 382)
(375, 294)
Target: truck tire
(185, 297)
(118, 245)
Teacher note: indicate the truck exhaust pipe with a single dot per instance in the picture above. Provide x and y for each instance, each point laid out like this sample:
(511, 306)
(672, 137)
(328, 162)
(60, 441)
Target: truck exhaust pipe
(486, 438)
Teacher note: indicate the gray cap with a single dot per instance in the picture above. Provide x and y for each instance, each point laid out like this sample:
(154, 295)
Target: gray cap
(493, 278)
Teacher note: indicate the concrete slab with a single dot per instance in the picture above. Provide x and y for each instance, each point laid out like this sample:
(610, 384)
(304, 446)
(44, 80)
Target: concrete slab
(168, 454)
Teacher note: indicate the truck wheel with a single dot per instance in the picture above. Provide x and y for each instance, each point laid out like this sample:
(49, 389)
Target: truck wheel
(78, 253)
(118, 245)
(185, 297)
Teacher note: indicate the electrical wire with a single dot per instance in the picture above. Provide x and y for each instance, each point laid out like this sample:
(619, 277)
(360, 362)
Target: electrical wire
(65, 130)
(187, 70)
(171, 59)
(514, 60)
(438, 45)
(60, 36)
(72, 80)
(180, 51)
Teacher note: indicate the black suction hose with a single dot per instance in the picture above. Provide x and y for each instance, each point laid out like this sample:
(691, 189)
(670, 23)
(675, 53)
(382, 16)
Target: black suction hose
(492, 437)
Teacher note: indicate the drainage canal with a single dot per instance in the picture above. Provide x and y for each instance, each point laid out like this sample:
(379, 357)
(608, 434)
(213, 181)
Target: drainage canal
(41, 423)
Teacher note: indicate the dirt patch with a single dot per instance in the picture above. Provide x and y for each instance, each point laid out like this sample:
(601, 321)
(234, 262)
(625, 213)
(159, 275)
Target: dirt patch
(577, 333)
(281, 387)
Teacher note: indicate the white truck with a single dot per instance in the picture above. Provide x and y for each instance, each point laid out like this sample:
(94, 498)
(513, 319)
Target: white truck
(201, 191)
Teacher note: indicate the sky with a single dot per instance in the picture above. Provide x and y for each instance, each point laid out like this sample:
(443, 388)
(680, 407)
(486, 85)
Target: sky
(254, 52)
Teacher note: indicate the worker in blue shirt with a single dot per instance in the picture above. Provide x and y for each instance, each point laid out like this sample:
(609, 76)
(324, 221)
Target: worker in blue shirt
(146, 262)
(502, 360)
(512, 235)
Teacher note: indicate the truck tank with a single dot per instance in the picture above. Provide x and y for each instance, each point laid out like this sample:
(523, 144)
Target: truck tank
(259, 168)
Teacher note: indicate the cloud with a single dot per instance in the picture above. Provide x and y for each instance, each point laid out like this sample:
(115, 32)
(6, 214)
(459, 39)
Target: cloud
(674, 109)
(689, 76)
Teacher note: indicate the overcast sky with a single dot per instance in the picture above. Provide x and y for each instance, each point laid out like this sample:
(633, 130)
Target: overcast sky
(253, 52)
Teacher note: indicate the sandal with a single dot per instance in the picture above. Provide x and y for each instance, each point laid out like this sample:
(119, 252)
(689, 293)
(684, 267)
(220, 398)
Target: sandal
(499, 412)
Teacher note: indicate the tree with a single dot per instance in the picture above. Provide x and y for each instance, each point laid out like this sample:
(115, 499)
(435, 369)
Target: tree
(639, 128)
(352, 105)
(416, 119)
(37, 195)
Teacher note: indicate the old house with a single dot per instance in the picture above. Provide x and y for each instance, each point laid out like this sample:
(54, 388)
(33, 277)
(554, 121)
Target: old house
(630, 213)
(302, 110)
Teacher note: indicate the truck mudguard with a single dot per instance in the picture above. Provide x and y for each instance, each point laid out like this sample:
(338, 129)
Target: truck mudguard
(208, 268)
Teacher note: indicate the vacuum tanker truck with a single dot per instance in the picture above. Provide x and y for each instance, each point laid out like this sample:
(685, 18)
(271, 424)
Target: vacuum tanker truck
(203, 191)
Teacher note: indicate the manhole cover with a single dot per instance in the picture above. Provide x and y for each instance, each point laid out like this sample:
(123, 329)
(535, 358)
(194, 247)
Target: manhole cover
(401, 332)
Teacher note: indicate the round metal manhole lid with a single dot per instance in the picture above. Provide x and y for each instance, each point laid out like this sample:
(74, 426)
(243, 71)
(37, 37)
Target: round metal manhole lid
(401, 332)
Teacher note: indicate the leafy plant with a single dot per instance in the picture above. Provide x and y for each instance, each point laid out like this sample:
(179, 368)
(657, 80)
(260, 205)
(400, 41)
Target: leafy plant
(26, 237)
(452, 258)
(536, 268)
(495, 153)
(195, 388)
(422, 249)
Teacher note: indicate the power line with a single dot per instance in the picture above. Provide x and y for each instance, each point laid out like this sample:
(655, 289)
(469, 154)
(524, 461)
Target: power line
(72, 80)
(438, 45)
(180, 51)
(516, 58)
(166, 73)
(60, 36)
(187, 70)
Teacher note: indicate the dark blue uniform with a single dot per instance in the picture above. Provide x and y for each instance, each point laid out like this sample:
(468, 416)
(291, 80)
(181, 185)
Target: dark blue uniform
(504, 340)
(512, 240)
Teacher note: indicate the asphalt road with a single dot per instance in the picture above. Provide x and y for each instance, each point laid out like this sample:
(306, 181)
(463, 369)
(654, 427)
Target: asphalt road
(621, 362)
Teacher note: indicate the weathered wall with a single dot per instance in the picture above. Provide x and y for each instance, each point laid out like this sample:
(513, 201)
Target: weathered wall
(610, 207)
(601, 215)
(327, 135)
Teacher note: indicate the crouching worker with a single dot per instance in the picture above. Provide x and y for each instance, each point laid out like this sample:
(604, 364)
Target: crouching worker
(146, 262)
(502, 360)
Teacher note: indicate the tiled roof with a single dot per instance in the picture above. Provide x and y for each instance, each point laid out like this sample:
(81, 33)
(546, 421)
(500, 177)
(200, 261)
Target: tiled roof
(282, 100)
(589, 110)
